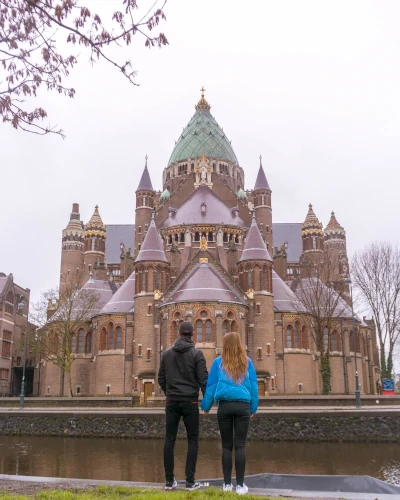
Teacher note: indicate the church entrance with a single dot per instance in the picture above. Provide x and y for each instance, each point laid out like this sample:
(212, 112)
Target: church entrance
(147, 390)
(261, 387)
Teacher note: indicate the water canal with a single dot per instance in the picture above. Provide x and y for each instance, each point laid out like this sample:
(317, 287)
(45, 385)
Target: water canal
(141, 460)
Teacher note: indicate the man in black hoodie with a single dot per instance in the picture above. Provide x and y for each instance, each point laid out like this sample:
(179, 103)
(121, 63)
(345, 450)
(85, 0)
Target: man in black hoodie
(183, 372)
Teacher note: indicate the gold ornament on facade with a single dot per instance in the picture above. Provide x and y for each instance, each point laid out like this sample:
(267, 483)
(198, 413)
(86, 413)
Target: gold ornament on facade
(203, 244)
(157, 294)
(203, 260)
(250, 293)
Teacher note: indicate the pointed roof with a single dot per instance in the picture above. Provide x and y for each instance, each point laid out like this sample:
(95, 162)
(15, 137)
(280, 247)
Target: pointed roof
(311, 223)
(145, 181)
(96, 222)
(122, 301)
(204, 283)
(152, 247)
(261, 181)
(285, 299)
(334, 226)
(202, 135)
(215, 212)
(254, 247)
(74, 223)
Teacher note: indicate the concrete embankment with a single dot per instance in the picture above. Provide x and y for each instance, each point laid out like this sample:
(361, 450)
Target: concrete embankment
(288, 424)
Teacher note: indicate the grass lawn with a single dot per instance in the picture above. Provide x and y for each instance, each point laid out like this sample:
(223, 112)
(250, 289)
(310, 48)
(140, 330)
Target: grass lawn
(122, 493)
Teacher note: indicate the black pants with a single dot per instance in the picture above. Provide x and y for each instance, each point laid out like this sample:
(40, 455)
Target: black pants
(174, 411)
(233, 421)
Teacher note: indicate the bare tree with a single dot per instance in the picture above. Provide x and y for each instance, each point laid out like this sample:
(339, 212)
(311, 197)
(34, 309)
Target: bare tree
(321, 301)
(31, 57)
(60, 315)
(376, 275)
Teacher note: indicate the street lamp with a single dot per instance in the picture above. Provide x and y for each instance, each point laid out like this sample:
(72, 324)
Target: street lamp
(20, 306)
(357, 392)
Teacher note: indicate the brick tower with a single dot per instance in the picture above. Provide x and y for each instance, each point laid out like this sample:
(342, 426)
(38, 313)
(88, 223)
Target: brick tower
(263, 206)
(94, 247)
(152, 278)
(72, 245)
(335, 248)
(313, 243)
(144, 207)
(255, 272)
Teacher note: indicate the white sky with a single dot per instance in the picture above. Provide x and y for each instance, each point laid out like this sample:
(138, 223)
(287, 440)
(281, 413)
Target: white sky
(313, 86)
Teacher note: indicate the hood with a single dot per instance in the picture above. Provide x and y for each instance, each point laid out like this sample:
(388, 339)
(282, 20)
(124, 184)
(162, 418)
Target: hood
(183, 344)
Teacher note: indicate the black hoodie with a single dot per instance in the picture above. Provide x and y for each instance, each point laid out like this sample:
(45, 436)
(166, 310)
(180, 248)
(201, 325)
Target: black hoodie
(183, 371)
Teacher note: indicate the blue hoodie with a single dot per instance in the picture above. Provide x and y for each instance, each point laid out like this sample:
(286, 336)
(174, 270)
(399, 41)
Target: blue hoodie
(221, 387)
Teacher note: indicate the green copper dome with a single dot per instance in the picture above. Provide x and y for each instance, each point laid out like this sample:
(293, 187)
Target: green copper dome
(202, 135)
(165, 195)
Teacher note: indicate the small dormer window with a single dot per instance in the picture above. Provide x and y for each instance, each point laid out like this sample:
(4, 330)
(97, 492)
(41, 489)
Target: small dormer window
(203, 208)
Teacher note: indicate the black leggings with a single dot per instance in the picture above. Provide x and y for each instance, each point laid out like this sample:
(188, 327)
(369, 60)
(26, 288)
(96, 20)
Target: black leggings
(233, 421)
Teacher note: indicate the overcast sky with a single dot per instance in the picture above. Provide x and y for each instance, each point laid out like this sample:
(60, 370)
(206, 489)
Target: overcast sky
(313, 86)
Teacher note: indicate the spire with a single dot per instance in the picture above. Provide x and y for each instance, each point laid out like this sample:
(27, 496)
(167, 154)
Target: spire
(333, 225)
(261, 181)
(152, 247)
(255, 247)
(311, 223)
(202, 104)
(74, 219)
(95, 224)
(145, 181)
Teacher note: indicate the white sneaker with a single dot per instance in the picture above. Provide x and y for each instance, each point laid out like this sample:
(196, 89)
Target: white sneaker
(242, 490)
(227, 488)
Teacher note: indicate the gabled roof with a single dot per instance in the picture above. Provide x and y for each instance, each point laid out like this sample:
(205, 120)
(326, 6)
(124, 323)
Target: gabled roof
(145, 181)
(152, 247)
(122, 301)
(254, 247)
(204, 283)
(215, 210)
(261, 181)
(284, 299)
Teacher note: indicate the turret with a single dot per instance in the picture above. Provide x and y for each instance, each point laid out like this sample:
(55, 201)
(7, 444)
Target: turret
(144, 207)
(255, 278)
(151, 279)
(95, 246)
(313, 243)
(335, 248)
(72, 245)
(263, 206)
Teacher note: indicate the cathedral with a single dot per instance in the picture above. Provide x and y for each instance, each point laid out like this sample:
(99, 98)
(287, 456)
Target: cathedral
(204, 249)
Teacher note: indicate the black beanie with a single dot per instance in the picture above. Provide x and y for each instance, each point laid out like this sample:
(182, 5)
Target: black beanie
(186, 328)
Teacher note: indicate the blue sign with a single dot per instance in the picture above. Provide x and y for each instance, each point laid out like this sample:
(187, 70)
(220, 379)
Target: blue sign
(388, 384)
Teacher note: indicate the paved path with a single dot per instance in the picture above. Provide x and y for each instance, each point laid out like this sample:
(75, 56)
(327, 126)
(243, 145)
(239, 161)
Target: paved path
(30, 485)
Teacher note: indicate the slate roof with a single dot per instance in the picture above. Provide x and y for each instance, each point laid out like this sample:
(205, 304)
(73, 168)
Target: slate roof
(261, 181)
(202, 135)
(284, 299)
(122, 301)
(254, 247)
(152, 247)
(117, 234)
(289, 232)
(216, 211)
(204, 283)
(145, 181)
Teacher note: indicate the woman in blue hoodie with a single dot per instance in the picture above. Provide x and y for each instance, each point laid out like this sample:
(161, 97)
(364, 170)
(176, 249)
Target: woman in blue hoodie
(232, 383)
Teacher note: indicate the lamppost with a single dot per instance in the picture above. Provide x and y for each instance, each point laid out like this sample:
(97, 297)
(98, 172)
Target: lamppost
(357, 391)
(20, 306)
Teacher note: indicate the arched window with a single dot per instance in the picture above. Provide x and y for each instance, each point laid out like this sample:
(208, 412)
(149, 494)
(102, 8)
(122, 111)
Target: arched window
(352, 345)
(88, 346)
(81, 340)
(144, 283)
(208, 330)
(111, 338)
(326, 339)
(158, 279)
(73, 343)
(225, 326)
(249, 278)
(234, 326)
(289, 335)
(119, 337)
(304, 338)
(10, 303)
(199, 331)
(335, 341)
(264, 279)
(103, 339)
(296, 337)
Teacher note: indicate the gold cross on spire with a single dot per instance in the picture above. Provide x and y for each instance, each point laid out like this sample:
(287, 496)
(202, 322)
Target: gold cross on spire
(202, 90)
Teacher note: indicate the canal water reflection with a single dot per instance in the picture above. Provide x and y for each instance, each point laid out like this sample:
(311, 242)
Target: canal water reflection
(141, 460)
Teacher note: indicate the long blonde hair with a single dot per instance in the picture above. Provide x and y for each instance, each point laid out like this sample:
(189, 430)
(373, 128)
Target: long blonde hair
(234, 359)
